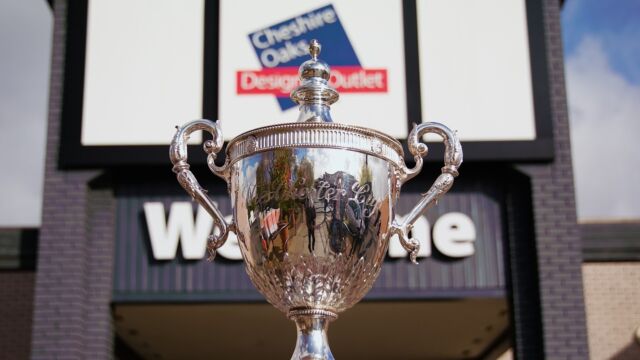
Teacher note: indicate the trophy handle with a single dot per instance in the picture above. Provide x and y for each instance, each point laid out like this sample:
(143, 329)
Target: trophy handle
(178, 155)
(452, 161)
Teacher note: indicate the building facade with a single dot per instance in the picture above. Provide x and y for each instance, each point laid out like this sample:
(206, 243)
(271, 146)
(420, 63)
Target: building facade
(97, 274)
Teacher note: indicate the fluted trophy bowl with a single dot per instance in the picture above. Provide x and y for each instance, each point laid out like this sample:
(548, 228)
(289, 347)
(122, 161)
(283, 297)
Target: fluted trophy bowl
(312, 212)
(313, 204)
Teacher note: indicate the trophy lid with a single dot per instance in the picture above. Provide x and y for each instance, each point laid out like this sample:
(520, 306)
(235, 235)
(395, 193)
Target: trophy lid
(314, 95)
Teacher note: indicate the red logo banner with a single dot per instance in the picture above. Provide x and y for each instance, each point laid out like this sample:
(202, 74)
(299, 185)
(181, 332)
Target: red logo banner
(280, 81)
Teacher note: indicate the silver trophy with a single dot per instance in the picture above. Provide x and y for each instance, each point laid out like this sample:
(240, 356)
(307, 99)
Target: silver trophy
(313, 203)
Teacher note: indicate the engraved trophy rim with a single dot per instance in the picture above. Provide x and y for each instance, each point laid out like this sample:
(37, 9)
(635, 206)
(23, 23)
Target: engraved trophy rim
(301, 135)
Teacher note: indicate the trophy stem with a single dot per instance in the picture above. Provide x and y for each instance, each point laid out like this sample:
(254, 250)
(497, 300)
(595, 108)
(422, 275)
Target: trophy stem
(312, 342)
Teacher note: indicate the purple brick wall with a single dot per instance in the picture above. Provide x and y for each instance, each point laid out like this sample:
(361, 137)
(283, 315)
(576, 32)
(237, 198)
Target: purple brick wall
(557, 235)
(99, 336)
(71, 318)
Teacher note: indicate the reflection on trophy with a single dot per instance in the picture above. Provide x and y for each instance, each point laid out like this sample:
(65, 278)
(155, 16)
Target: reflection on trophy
(313, 203)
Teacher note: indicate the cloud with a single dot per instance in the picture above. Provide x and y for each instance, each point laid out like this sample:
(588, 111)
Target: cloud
(249, 170)
(615, 23)
(25, 43)
(604, 112)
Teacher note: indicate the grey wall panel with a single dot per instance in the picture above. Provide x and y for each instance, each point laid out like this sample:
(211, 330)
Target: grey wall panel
(139, 277)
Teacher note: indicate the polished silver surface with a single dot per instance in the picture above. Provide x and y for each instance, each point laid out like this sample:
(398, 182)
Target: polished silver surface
(320, 135)
(313, 203)
(452, 161)
(312, 223)
(311, 341)
(178, 156)
(314, 95)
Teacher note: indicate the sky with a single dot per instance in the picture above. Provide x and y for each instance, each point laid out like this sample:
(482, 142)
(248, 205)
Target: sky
(602, 63)
(25, 55)
(602, 68)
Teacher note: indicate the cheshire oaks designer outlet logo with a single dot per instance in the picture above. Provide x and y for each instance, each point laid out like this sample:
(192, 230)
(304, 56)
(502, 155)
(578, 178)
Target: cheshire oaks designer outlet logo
(282, 47)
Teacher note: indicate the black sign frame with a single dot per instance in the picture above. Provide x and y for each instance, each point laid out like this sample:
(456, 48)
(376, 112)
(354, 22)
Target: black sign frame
(73, 154)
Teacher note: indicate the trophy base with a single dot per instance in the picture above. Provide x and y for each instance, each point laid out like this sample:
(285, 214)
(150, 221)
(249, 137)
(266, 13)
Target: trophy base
(312, 342)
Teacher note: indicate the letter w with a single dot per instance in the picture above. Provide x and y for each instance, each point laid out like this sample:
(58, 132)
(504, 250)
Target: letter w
(165, 235)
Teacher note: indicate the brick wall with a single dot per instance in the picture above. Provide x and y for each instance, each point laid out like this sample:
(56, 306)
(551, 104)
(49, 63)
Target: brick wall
(558, 243)
(71, 304)
(16, 307)
(612, 296)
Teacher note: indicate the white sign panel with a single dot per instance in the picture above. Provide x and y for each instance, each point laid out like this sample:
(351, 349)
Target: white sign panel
(475, 73)
(143, 70)
(262, 43)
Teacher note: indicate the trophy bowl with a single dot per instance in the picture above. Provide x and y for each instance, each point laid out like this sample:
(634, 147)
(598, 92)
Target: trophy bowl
(313, 203)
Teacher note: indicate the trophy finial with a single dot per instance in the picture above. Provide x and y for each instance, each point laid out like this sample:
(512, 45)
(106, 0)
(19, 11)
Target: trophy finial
(314, 49)
(314, 95)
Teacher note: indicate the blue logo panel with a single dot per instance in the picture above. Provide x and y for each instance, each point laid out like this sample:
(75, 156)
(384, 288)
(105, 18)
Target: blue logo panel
(286, 44)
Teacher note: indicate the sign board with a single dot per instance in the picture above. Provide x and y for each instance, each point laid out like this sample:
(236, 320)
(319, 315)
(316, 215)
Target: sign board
(160, 249)
(453, 236)
(143, 70)
(475, 70)
(135, 69)
(364, 49)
